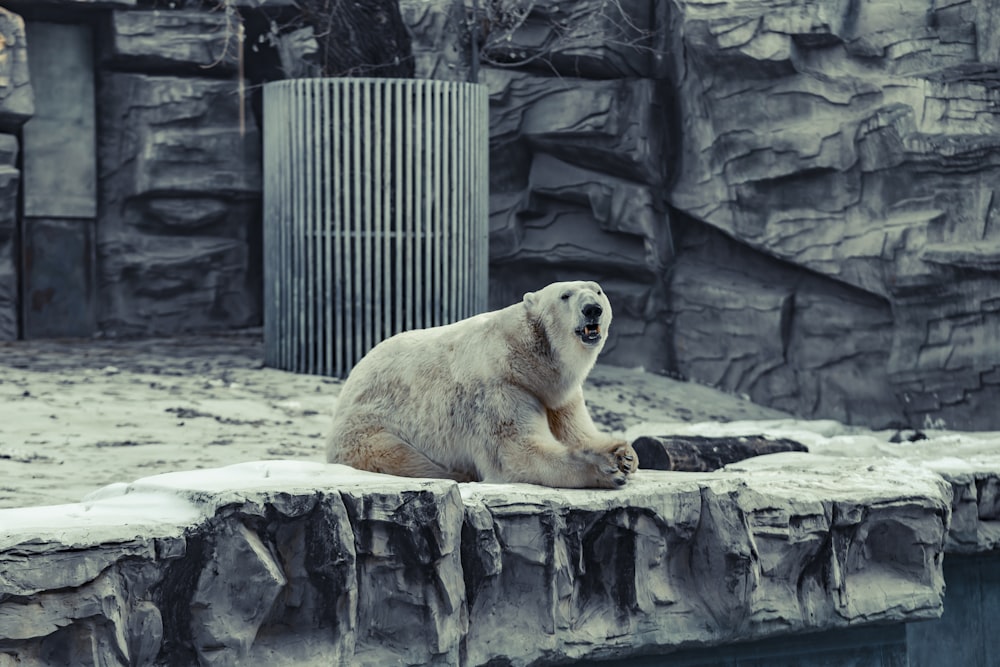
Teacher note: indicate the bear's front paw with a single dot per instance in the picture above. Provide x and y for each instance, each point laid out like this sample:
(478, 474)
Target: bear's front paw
(625, 456)
(618, 462)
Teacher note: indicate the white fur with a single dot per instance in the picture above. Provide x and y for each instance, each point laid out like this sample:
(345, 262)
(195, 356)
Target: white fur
(496, 397)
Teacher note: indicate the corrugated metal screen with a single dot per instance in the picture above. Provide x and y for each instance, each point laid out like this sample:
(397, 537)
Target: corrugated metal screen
(375, 214)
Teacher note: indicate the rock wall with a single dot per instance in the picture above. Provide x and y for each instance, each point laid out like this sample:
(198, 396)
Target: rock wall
(16, 107)
(860, 143)
(792, 202)
(281, 563)
(178, 215)
(178, 229)
(178, 234)
(795, 203)
(578, 163)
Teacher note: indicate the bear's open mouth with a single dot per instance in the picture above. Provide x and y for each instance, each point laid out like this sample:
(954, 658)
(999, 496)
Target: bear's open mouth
(589, 333)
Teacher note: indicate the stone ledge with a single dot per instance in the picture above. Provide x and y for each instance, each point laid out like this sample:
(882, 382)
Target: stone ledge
(287, 562)
(968, 461)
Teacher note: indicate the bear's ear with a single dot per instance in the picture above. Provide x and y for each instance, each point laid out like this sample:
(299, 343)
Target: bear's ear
(529, 300)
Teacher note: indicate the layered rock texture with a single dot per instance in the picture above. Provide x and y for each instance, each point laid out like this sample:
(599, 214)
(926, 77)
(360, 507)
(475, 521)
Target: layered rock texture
(579, 144)
(170, 238)
(861, 145)
(165, 236)
(16, 106)
(792, 202)
(796, 203)
(278, 563)
(179, 179)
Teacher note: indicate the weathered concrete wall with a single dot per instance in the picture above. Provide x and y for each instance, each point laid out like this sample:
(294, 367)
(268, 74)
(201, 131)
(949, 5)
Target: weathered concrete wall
(279, 563)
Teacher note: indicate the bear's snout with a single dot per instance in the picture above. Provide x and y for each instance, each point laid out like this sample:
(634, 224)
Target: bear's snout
(592, 311)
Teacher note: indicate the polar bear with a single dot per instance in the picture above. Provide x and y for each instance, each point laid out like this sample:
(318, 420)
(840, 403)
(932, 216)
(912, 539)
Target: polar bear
(497, 397)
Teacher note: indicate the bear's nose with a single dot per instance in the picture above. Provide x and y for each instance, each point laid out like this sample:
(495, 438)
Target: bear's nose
(592, 311)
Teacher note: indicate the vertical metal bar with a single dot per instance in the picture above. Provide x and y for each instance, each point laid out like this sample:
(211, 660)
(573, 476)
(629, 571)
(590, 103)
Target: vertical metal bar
(357, 224)
(409, 213)
(458, 191)
(286, 228)
(471, 213)
(477, 260)
(316, 232)
(416, 180)
(437, 192)
(468, 178)
(301, 236)
(288, 278)
(482, 181)
(296, 259)
(280, 222)
(363, 179)
(325, 186)
(384, 147)
(396, 151)
(428, 194)
(463, 189)
(338, 227)
(460, 309)
(289, 233)
(267, 157)
(452, 219)
(347, 89)
(374, 151)
(320, 231)
(398, 161)
(444, 209)
(309, 219)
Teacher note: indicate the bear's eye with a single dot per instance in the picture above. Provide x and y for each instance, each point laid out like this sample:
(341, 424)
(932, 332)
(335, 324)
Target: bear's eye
(565, 297)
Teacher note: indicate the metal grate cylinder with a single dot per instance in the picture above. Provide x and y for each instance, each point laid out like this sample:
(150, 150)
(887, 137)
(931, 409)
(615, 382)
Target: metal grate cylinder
(375, 214)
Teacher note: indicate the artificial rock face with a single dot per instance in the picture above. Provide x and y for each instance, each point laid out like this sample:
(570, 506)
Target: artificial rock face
(16, 107)
(797, 202)
(282, 563)
(180, 181)
(862, 144)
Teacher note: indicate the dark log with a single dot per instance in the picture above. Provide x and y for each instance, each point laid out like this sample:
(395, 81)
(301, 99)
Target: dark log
(703, 454)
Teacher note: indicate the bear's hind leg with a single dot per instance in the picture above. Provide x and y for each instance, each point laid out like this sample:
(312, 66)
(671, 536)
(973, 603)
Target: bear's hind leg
(381, 451)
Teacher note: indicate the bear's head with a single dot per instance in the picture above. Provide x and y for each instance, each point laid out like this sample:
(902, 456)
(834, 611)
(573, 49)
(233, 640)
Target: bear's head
(573, 314)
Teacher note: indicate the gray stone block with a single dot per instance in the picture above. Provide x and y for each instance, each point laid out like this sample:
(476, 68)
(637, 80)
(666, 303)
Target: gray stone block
(180, 183)
(182, 39)
(609, 126)
(159, 284)
(17, 103)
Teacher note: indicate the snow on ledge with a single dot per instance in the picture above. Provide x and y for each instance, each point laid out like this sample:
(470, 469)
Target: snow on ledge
(277, 562)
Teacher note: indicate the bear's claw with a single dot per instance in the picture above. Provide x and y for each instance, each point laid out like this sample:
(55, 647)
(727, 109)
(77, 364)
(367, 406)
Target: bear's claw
(626, 458)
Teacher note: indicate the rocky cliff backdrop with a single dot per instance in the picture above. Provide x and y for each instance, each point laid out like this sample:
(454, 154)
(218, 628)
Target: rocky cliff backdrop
(793, 201)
